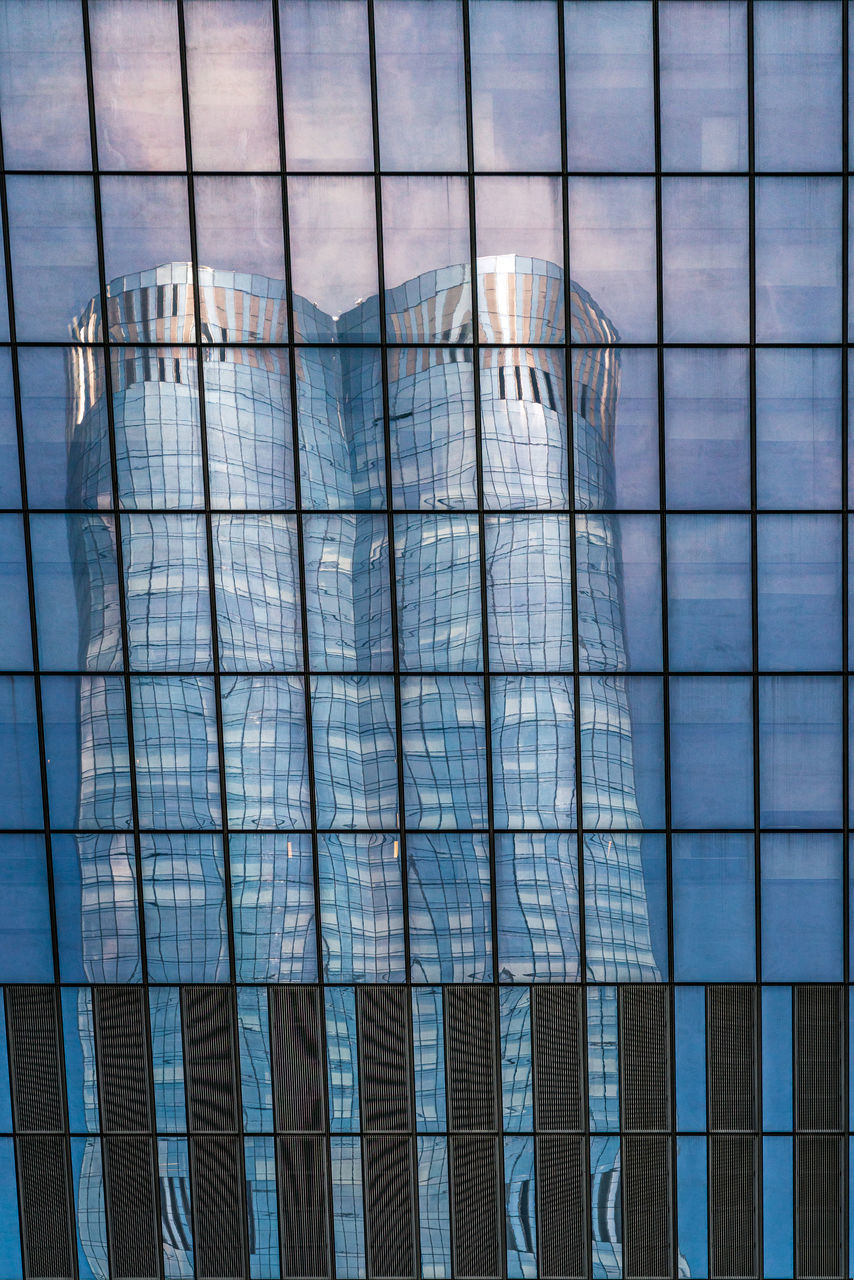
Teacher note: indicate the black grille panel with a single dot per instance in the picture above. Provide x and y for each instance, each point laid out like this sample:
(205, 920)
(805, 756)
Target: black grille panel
(217, 1181)
(35, 1058)
(732, 1186)
(384, 1067)
(561, 1200)
(819, 1221)
(209, 1047)
(120, 1022)
(302, 1207)
(46, 1210)
(296, 1058)
(470, 1041)
(389, 1206)
(819, 1013)
(646, 1205)
(474, 1178)
(558, 1073)
(129, 1177)
(644, 1057)
(732, 1058)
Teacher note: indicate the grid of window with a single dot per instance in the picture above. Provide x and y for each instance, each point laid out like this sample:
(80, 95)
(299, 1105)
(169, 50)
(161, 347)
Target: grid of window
(423, 687)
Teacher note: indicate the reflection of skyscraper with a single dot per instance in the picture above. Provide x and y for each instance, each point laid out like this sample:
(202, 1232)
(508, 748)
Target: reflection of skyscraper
(523, 552)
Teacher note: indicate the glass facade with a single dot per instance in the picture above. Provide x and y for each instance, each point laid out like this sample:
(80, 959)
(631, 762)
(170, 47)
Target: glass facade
(424, 698)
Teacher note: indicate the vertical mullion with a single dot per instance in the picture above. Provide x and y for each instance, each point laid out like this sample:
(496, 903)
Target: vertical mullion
(665, 646)
(306, 662)
(198, 349)
(484, 614)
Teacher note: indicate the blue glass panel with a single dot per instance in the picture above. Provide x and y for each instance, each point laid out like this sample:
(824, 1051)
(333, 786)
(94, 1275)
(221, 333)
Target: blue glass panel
(339, 399)
(76, 580)
(348, 601)
(606, 1213)
(517, 1091)
(334, 254)
(355, 761)
(256, 1083)
(10, 487)
(797, 223)
(54, 256)
(257, 592)
(533, 751)
(519, 230)
(529, 592)
(705, 251)
(692, 1201)
(708, 590)
(619, 592)
(183, 891)
(432, 427)
(78, 1037)
(711, 751)
(175, 1208)
(425, 234)
(89, 1211)
(433, 1211)
(777, 1206)
(428, 1052)
(690, 1049)
(609, 86)
(145, 223)
(612, 250)
(10, 1239)
(707, 428)
(602, 1070)
(361, 908)
(450, 924)
(538, 915)
(86, 751)
(272, 907)
(797, 88)
(713, 908)
(802, 905)
(177, 773)
(95, 893)
(347, 1209)
(260, 1160)
(777, 1057)
(26, 951)
(703, 62)
(20, 781)
(622, 752)
(437, 571)
(799, 583)
(43, 87)
(248, 410)
(239, 229)
(5, 1095)
(800, 751)
(265, 751)
(327, 79)
(625, 909)
(15, 647)
(167, 1059)
(522, 403)
(514, 85)
(444, 751)
(63, 471)
(167, 592)
(520, 1217)
(798, 428)
(342, 1059)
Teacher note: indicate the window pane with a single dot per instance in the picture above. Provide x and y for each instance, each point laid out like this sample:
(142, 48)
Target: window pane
(86, 745)
(76, 580)
(802, 908)
(533, 751)
(257, 574)
(136, 71)
(529, 594)
(348, 598)
(157, 427)
(800, 592)
(538, 910)
(437, 571)
(705, 231)
(426, 233)
(239, 228)
(183, 889)
(26, 953)
(713, 909)
(355, 758)
(272, 906)
(432, 424)
(420, 84)
(520, 234)
(707, 428)
(20, 781)
(450, 924)
(43, 85)
(609, 84)
(361, 908)
(444, 751)
(798, 428)
(797, 84)
(514, 73)
(16, 652)
(703, 52)
(709, 596)
(619, 592)
(265, 752)
(800, 751)
(97, 923)
(523, 421)
(612, 250)
(175, 743)
(711, 751)
(798, 260)
(334, 258)
(146, 224)
(615, 425)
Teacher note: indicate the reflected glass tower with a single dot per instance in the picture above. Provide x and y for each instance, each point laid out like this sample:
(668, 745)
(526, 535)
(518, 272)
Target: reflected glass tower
(226, 438)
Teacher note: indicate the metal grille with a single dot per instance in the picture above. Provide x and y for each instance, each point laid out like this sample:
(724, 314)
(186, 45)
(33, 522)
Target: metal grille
(45, 1204)
(34, 1058)
(646, 1205)
(302, 1207)
(474, 1180)
(732, 1193)
(389, 1205)
(218, 1213)
(818, 1057)
(644, 1057)
(556, 1026)
(131, 1213)
(120, 1030)
(209, 1047)
(470, 1040)
(561, 1206)
(731, 1017)
(296, 1058)
(384, 1059)
(819, 1220)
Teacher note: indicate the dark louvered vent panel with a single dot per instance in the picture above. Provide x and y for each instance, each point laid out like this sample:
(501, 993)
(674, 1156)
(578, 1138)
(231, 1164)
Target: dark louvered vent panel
(557, 1056)
(217, 1179)
(297, 1058)
(732, 1229)
(120, 1023)
(131, 1208)
(819, 1217)
(561, 1206)
(470, 1039)
(474, 1178)
(34, 1047)
(389, 1227)
(45, 1208)
(731, 1016)
(302, 1207)
(210, 1054)
(646, 1205)
(644, 1064)
(384, 1067)
(819, 1057)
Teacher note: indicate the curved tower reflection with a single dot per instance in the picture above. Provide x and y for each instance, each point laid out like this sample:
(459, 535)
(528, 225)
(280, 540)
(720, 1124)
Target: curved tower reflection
(235, 582)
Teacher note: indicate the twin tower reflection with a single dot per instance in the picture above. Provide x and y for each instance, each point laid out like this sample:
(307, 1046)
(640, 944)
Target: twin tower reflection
(480, 556)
